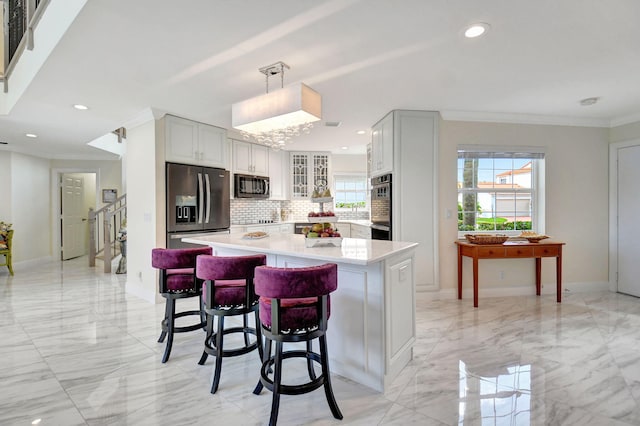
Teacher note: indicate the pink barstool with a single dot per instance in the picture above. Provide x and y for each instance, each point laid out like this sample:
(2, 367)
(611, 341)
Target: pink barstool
(177, 281)
(295, 307)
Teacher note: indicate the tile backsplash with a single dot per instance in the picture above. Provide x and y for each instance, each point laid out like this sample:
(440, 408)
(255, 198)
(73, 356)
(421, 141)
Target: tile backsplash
(245, 211)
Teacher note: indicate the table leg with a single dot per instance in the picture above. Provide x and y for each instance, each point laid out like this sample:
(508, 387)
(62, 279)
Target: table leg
(459, 272)
(538, 273)
(475, 282)
(559, 276)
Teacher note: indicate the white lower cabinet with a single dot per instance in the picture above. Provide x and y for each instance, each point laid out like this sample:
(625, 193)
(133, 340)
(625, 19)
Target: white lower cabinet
(344, 229)
(360, 231)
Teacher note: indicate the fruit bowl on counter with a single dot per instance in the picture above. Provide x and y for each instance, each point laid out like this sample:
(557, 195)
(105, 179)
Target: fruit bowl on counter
(322, 217)
(321, 234)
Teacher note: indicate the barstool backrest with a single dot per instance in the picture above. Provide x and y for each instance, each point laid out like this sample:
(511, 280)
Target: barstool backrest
(295, 298)
(219, 268)
(292, 283)
(163, 258)
(177, 267)
(224, 275)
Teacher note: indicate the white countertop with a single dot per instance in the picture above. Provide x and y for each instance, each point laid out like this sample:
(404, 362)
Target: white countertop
(353, 250)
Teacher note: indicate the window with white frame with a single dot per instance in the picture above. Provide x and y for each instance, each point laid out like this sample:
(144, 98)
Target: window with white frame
(350, 191)
(500, 190)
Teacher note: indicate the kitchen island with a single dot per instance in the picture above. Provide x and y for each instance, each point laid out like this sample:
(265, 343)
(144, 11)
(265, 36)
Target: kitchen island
(372, 327)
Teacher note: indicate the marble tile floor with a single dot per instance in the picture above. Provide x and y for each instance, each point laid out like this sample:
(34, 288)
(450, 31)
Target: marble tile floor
(75, 349)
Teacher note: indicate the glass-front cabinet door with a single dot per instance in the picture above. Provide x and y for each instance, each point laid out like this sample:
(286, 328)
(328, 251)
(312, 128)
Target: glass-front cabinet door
(310, 171)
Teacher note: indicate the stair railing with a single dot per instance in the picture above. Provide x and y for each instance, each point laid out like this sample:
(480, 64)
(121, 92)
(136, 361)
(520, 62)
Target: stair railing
(104, 226)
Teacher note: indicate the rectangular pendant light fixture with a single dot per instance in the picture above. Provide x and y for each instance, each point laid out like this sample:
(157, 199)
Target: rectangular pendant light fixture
(289, 106)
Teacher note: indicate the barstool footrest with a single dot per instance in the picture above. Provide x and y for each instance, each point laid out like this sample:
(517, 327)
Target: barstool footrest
(292, 389)
(210, 347)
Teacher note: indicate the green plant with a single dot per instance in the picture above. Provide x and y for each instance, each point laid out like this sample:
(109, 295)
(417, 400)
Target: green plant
(358, 204)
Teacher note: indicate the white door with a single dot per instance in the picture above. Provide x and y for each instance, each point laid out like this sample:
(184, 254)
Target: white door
(628, 231)
(74, 220)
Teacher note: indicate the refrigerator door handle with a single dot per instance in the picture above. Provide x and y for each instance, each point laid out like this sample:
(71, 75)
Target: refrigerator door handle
(200, 198)
(208, 192)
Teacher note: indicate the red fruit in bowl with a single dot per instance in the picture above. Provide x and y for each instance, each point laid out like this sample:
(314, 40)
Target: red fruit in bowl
(324, 235)
(336, 234)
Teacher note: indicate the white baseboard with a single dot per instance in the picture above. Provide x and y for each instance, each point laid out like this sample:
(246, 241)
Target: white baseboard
(141, 292)
(549, 288)
(27, 264)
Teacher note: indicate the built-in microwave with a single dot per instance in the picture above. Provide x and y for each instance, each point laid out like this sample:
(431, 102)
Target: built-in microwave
(247, 186)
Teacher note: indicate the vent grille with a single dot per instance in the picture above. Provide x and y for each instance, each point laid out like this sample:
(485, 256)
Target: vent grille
(332, 123)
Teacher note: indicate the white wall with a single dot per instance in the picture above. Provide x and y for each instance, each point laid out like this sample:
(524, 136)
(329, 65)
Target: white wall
(143, 219)
(5, 192)
(31, 207)
(349, 163)
(576, 165)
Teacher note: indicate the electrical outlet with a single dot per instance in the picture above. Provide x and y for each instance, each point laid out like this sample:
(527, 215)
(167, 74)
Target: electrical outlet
(501, 274)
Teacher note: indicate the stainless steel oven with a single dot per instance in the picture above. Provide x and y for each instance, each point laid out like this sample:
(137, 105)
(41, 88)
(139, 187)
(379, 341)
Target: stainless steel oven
(381, 199)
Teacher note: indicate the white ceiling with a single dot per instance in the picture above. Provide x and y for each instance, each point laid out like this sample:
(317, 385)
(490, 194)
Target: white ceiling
(366, 57)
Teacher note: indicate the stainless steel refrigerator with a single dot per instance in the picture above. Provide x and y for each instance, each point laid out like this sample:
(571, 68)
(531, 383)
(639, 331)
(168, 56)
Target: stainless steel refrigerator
(197, 202)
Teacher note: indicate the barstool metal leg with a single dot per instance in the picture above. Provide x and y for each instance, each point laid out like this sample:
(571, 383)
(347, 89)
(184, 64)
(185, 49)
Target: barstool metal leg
(170, 326)
(167, 310)
(265, 357)
(219, 349)
(207, 337)
(328, 390)
(277, 379)
(312, 373)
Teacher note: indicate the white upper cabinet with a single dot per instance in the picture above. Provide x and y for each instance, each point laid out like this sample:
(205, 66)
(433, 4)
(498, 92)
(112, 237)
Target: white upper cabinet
(190, 142)
(250, 158)
(382, 146)
(279, 174)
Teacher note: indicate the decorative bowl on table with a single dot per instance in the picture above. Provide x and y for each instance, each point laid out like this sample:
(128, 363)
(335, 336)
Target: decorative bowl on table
(486, 238)
(533, 237)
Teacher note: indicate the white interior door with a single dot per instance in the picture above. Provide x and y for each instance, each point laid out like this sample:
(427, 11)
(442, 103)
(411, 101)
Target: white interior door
(74, 221)
(628, 231)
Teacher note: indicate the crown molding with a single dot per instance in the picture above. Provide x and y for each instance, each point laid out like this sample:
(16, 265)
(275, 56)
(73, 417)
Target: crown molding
(627, 119)
(495, 117)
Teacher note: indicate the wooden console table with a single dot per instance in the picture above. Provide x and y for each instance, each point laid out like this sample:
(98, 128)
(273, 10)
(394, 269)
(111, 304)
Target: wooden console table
(510, 250)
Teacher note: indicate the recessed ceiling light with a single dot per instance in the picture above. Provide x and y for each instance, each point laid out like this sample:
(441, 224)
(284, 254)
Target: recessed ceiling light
(476, 30)
(361, 132)
(81, 107)
(589, 101)
(345, 147)
(31, 135)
